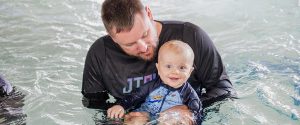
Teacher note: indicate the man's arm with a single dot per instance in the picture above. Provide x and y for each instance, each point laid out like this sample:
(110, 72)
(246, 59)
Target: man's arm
(209, 68)
(93, 90)
(222, 91)
(96, 100)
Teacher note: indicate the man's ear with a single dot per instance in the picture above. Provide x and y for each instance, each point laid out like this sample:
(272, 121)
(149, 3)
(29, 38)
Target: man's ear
(112, 37)
(148, 12)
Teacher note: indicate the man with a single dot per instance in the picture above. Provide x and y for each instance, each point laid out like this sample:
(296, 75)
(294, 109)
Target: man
(125, 59)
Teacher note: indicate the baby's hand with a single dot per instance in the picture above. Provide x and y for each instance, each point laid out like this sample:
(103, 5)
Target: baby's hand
(117, 111)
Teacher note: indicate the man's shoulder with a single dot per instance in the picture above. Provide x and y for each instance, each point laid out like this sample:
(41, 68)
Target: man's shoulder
(101, 45)
(185, 28)
(172, 22)
(179, 23)
(100, 42)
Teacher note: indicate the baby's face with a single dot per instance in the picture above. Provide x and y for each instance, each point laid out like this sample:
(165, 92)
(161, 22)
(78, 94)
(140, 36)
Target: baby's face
(174, 68)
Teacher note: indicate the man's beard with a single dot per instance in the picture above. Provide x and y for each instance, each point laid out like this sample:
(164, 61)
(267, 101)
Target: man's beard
(148, 58)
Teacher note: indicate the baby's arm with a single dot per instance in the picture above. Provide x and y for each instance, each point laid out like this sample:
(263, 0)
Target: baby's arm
(117, 111)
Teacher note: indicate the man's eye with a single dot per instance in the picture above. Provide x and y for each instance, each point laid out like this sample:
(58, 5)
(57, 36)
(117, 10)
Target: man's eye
(129, 45)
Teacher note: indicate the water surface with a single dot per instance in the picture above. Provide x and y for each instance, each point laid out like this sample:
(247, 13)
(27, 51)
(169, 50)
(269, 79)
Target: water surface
(43, 46)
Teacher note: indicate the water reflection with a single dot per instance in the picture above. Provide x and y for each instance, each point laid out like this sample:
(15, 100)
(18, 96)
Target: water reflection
(100, 119)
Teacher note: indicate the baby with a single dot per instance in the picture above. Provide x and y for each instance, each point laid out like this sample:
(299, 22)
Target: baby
(174, 66)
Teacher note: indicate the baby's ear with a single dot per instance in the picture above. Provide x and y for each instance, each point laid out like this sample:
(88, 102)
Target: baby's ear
(192, 68)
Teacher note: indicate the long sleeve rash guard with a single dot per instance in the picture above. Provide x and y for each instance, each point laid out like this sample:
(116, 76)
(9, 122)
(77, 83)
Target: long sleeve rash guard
(109, 70)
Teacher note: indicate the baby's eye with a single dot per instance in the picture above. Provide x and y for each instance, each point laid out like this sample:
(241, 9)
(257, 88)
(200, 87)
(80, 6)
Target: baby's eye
(182, 67)
(168, 66)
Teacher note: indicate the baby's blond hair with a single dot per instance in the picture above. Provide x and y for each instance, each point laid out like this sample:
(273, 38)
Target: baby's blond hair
(178, 47)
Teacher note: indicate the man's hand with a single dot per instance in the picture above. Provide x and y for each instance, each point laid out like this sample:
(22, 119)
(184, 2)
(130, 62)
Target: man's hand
(117, 111)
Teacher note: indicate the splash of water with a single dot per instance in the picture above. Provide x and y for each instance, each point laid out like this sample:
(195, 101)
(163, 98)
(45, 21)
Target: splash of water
(177, 119)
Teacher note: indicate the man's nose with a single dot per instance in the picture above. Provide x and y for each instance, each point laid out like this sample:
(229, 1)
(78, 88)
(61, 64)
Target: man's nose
(142, 45)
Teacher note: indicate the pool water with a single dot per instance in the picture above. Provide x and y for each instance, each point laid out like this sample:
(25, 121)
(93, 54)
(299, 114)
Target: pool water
(43, 45)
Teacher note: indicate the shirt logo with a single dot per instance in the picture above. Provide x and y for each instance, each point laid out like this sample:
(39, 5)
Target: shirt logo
(135, 82)
(156, 98)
